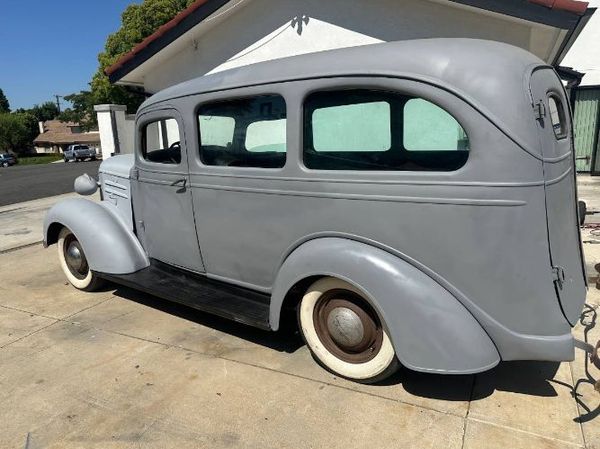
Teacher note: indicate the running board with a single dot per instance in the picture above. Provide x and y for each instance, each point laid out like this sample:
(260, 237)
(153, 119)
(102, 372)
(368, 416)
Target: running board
(197, 291)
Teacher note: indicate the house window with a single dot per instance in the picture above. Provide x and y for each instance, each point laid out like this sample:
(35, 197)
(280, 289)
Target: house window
(376, 130)
(248, 132)
(161, 142)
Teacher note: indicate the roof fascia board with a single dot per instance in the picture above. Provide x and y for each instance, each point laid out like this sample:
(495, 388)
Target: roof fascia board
(527, 11)
(573, 35)
(167, 38)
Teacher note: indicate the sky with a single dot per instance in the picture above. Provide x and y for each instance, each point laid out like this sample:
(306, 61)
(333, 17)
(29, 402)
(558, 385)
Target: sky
(51, 47)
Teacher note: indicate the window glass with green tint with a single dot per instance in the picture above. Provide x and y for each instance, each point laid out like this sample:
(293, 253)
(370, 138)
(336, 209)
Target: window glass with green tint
(244, 132)
(428, 127)
(360, 129)
(216, 130)
(353, 127)
(266, 135)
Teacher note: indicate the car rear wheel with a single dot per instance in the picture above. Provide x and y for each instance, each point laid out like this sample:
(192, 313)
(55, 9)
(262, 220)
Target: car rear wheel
(74, 263)
(344, 333)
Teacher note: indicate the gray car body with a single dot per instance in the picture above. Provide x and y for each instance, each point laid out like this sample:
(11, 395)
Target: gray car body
(458, 264)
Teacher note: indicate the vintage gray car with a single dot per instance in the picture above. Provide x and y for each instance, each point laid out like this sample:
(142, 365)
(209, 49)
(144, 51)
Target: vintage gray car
(414, 202)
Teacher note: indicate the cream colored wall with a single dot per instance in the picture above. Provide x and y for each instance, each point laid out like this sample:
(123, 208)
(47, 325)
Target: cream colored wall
(291, 27)
(124, 132)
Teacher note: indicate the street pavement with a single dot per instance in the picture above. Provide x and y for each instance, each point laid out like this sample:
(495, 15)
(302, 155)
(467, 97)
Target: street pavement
(29, 182)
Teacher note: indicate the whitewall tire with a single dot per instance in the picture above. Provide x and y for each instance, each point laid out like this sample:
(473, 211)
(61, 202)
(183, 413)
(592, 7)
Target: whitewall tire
(74, 263)
(344, 333)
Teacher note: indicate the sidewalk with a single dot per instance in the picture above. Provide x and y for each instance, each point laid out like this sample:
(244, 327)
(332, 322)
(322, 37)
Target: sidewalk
(21, 223)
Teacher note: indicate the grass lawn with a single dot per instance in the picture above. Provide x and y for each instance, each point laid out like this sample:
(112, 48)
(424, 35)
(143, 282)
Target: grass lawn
(40, 159)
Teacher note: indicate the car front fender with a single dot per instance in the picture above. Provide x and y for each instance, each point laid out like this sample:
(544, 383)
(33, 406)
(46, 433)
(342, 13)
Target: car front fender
(110, 247)
(430, 329)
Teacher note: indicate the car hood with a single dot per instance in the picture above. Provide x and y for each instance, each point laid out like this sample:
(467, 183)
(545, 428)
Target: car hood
(119, 165)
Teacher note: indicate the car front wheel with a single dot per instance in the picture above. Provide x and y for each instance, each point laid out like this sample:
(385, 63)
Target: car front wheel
(5, 164)
(344, 333)
(74, 263)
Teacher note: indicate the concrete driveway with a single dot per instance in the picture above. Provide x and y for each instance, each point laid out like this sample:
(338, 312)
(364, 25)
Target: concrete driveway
(120, 369)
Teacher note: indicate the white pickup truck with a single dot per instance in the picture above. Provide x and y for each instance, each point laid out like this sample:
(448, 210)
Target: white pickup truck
(79, 153)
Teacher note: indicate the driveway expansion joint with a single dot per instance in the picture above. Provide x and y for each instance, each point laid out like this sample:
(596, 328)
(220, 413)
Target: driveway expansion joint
(320, 382)
(526, 432)
(30, 334)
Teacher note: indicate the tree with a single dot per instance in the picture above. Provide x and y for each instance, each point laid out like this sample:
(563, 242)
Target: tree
(138, 21)
(17, 131)
(42, 112)
(82, 111)
(45, 111)
(4, 104)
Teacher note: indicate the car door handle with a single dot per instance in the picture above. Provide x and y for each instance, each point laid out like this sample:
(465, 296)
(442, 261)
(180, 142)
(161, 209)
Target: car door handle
(180, 182)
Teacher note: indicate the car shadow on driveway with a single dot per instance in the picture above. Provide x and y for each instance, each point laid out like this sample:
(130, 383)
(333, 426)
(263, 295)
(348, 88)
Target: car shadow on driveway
(524, 377)
(286, 340)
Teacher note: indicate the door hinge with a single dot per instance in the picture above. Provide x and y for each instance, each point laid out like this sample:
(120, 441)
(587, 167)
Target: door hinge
(141, 225)
(539, 110)
(558, 276)
(135, 174)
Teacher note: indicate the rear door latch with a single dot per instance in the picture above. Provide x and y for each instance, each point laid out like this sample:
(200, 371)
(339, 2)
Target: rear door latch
(558, 276)
(539, 110)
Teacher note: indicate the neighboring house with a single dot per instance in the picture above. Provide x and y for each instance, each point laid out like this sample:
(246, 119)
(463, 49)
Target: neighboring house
(55, 136)
(214, 35)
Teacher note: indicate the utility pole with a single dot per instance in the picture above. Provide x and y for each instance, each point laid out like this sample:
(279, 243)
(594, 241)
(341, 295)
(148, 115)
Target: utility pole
(58, 97)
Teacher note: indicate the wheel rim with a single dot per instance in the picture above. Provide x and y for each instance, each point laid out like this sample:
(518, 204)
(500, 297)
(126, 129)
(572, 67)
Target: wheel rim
(75, 257)
(347, 326)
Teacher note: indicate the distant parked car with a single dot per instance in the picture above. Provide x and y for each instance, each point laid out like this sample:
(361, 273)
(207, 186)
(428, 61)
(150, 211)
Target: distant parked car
(79, 153)
(6, 160)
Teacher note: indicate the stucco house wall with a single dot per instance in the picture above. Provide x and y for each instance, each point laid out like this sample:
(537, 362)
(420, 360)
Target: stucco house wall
(235, 36)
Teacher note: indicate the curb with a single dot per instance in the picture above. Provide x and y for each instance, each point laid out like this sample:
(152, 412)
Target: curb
(17, 248)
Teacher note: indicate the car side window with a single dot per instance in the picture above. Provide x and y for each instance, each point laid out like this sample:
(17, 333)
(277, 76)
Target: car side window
(246, 132)
(359, 129)
(161, 142)
(557, 116)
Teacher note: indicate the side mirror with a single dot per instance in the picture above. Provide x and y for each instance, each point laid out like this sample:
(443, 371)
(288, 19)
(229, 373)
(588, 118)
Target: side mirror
(85, 185)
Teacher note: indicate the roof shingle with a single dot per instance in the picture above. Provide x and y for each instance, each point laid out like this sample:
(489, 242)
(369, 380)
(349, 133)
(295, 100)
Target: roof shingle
(57, 132)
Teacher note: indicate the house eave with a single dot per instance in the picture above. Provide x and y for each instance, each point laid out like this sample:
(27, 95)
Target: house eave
(569, 15)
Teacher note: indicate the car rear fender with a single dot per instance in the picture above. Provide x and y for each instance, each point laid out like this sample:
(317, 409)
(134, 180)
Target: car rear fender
(109, 245)
(430, 329)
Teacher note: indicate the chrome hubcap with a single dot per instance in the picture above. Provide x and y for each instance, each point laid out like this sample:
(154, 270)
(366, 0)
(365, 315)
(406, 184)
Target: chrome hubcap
(345, 327)
(74, 256)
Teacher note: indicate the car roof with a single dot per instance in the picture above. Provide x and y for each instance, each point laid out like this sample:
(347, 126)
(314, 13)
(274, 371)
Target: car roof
(491, 76)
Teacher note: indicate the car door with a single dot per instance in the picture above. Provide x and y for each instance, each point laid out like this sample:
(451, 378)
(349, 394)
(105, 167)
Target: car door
(162, 197)
(554, 127)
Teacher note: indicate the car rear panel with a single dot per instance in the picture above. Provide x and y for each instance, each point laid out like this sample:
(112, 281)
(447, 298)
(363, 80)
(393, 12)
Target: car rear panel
(564, 240)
